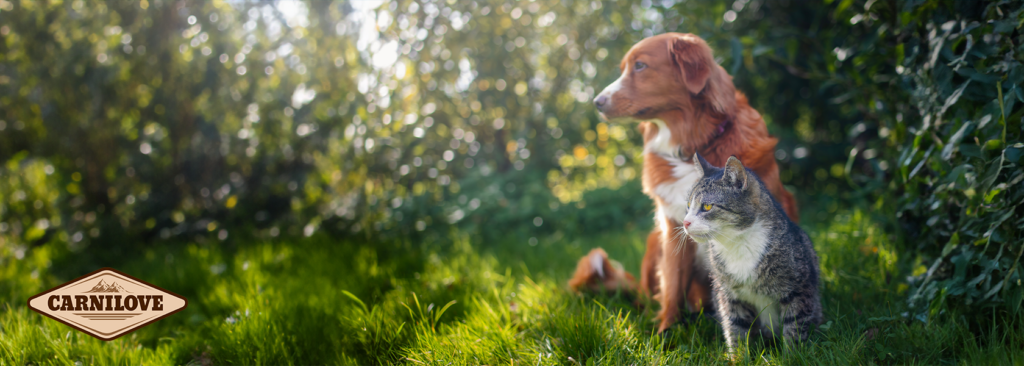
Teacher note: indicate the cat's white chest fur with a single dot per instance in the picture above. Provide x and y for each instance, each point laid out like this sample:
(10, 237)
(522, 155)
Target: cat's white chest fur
(740, 252)
(674, 194)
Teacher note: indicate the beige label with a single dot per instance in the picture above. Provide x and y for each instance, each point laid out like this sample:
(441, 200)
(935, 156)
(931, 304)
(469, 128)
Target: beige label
(107, 304)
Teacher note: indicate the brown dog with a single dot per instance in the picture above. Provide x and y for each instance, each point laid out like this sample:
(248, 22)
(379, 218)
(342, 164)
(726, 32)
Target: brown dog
(689, 103)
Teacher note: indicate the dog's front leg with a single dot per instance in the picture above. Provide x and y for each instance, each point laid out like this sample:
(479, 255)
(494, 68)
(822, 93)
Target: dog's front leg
(678, 256)
(649, 280)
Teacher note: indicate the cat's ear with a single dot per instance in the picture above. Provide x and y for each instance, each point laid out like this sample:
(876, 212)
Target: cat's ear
(735, 175)
(703, 167)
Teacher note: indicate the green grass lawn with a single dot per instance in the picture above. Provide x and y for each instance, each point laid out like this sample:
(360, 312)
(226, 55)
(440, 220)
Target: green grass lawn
(457, 300)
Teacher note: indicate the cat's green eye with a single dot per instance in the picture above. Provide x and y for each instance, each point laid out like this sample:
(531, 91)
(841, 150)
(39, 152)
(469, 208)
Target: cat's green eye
(707, 207)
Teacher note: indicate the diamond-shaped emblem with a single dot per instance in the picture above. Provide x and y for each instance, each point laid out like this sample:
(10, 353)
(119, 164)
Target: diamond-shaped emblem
(107, 304)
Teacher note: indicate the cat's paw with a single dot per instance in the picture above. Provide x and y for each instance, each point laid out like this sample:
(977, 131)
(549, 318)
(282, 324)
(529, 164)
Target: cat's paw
(733, 357)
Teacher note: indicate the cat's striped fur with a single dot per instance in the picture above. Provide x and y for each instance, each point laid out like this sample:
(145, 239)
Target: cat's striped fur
(764, 268)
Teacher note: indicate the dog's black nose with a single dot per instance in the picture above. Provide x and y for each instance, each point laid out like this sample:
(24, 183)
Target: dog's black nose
(601, 101)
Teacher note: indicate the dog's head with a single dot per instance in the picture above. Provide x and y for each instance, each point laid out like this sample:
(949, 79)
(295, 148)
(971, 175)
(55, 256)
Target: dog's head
(670, 71)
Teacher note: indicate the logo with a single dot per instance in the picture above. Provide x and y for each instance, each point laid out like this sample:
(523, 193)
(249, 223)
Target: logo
(107, 304)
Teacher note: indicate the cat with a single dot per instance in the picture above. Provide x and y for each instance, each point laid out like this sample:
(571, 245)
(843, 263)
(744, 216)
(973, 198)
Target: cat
(763, 266)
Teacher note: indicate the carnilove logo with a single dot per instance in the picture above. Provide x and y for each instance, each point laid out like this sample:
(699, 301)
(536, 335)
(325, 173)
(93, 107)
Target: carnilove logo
(107, 304)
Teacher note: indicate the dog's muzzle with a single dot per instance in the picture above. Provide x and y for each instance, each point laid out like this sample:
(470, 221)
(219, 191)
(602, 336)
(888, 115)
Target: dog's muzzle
(601, 102)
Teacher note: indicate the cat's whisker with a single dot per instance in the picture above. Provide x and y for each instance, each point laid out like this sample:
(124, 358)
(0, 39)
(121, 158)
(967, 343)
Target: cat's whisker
(679, 239)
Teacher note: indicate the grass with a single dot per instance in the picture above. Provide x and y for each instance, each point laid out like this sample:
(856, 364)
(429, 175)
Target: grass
(458, 300)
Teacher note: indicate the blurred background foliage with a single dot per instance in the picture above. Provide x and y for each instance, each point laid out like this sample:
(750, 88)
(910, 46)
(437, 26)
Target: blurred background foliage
(125, 123)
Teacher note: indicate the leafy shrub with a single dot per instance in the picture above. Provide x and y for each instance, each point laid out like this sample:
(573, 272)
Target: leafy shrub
(957, 176)
(927, 94)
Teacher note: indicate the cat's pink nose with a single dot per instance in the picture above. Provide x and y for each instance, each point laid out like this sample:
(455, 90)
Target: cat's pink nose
(686, 224)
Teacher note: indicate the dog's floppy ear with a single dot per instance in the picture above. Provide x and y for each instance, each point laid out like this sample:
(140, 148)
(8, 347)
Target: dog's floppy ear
(691, 55)
(701, 73)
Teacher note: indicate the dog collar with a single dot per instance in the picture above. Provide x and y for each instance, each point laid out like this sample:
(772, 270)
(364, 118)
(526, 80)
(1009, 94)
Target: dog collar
(719, 131)
(721, 128)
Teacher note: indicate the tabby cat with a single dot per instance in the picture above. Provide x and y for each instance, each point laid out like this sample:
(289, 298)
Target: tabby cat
(764, 269)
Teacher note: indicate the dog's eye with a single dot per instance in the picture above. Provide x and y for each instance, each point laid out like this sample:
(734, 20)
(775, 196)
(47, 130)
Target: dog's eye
(707, 207)
(639, 66)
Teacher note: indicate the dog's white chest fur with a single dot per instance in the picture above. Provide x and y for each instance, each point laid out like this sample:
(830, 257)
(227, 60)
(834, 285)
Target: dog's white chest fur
(674, 194)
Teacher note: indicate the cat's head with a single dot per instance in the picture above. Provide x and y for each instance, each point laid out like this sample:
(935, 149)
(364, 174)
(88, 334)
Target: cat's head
(723, 202)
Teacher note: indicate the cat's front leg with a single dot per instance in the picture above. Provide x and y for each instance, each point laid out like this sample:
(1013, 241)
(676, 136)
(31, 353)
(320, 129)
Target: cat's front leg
(738, 319)
(800, 312)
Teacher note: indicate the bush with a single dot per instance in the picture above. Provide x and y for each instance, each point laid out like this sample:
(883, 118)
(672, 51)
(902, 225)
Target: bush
(926, 94)
(956, 164)
(929, 91)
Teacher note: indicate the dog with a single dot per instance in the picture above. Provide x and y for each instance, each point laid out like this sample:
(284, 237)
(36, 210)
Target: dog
(685, 103)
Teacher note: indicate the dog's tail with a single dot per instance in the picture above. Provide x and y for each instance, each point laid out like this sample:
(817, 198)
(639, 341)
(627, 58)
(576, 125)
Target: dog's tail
(595, 272)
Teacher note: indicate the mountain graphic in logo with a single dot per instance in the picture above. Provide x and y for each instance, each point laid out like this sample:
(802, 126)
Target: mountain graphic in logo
(104, 287)
(106, 304)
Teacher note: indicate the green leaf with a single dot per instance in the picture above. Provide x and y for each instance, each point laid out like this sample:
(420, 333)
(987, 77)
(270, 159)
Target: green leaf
(842, 6)
(992, 173)
(978, 76)
(971, 150)
(954, 241)
(1005, 26)
(1013, 154)
(984, 121)
(923, 161)
(953, 98)
(976, 280)
(993, 291)
(33, 233)
(995, 224)
(954, 140)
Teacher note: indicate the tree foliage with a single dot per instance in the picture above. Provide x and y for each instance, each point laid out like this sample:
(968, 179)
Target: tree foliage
(160, 119)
